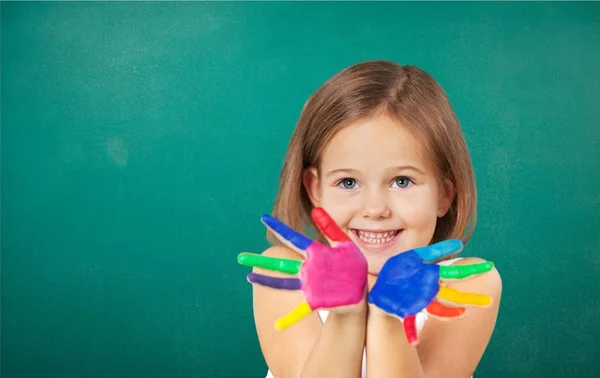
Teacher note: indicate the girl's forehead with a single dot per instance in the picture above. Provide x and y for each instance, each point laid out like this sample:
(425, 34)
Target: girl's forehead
(373, 142)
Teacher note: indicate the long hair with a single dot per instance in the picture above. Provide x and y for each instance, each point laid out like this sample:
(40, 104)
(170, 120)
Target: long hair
(406, 94)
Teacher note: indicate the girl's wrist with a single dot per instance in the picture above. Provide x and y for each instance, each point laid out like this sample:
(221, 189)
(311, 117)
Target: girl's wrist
(360, 309)
(376, 311)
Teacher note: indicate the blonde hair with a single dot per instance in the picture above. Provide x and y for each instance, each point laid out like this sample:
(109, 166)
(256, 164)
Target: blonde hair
(406, 94)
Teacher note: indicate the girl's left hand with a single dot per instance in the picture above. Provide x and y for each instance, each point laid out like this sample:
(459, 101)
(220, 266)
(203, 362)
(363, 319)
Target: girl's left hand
(331, 277)
(406, 286)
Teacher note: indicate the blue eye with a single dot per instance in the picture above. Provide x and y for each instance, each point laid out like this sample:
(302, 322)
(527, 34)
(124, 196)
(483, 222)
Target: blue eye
(402, 182)
(348, 183)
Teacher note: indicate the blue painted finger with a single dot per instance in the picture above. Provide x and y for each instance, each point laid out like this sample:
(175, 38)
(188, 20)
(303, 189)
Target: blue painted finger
(439, 250)
(288, 235)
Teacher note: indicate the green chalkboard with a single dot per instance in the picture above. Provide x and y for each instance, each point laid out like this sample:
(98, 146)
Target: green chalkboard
(141, 142)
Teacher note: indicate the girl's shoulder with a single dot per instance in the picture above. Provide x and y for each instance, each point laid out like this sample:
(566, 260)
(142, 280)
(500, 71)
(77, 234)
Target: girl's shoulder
(284, 351)
(466, 339)
(489, 283)
(282, 252)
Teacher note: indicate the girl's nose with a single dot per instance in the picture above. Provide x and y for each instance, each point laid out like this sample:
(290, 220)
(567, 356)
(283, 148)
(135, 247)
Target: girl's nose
(376, 206)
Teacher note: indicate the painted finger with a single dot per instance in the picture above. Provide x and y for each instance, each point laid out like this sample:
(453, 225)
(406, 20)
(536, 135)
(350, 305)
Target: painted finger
(288, 236)
(328, 226)
(410, 329)
(275, 282)
(438, 250)
(461, 298)
(297, 314)
(463, 271)
(269, 263)
(438, 310)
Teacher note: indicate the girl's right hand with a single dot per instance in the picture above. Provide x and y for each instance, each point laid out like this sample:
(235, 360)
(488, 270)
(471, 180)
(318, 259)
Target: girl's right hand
(332, 278)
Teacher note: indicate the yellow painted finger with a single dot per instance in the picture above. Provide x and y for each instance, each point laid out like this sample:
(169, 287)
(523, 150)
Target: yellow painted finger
(294, 316)
(462, 298)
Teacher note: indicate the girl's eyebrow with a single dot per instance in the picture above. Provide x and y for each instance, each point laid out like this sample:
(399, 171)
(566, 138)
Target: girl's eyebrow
(349, 171)
(355, 172)
(405, 168)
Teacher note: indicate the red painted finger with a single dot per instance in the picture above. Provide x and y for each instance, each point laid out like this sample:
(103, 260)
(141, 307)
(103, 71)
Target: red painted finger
(410, 328)
(328, 226)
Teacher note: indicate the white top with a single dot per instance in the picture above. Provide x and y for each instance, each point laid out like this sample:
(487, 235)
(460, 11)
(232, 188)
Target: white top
(421, 319)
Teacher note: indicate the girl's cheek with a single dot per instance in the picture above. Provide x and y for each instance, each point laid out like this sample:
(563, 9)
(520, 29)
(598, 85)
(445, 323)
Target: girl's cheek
(341, 200)
(417, 213)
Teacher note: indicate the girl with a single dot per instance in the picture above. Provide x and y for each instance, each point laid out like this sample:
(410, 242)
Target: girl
(379, 148)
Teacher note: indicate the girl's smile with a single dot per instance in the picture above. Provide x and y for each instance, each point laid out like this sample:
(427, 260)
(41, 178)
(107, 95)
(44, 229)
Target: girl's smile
(375, 241)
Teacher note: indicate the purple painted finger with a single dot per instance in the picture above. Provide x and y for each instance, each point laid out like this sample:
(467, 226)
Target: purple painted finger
(274, 282)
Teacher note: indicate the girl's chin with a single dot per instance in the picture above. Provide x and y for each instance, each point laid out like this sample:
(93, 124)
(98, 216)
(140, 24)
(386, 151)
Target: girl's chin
(375, 264)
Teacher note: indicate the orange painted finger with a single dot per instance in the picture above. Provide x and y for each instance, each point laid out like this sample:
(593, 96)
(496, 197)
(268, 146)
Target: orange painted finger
(439, 310)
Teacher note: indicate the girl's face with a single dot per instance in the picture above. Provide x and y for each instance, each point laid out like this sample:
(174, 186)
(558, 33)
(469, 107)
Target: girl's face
(378, 186)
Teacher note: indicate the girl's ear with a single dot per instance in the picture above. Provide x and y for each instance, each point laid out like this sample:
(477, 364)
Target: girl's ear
(447, 194)
(310, 179)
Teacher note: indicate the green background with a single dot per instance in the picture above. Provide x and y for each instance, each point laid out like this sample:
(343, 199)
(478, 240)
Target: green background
(141, 142)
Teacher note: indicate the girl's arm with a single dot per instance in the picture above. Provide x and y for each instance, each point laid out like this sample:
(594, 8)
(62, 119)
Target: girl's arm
(308, 348)
(446, 348)
(388, 352)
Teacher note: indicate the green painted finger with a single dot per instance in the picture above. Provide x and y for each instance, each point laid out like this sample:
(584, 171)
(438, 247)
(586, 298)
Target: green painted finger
(270, 263)
(462, 271)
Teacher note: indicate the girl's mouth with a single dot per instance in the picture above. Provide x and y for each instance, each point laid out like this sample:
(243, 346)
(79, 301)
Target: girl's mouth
(376, 241)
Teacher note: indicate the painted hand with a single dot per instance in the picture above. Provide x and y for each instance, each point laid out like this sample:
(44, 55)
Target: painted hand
(406, 286)
(330, 277)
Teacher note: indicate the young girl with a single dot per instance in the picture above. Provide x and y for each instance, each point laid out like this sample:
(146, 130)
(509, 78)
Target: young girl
(379, 148)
